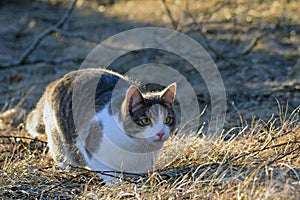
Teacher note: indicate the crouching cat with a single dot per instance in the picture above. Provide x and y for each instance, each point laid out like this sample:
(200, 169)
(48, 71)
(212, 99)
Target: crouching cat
(116, 125)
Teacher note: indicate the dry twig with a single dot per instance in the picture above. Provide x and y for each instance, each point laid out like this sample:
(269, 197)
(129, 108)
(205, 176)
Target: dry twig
(37, 41)
(170, 15)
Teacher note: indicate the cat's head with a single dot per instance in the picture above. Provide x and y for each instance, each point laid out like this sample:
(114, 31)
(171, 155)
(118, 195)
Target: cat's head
(149, 115)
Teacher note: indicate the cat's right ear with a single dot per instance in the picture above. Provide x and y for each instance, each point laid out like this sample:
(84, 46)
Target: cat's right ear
(169, 93)
(133, 97)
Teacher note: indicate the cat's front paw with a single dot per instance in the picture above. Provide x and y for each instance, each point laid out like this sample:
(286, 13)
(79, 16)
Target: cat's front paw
(63, 165)
(109, 179)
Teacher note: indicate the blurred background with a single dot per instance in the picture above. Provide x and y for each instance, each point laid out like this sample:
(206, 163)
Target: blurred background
(254, 43)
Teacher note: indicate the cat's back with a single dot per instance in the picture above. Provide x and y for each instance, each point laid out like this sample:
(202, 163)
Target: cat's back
(84, 85)
(104, 79)
(82, 81)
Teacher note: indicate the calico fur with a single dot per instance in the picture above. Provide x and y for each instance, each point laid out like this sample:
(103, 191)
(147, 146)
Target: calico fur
(111, 136)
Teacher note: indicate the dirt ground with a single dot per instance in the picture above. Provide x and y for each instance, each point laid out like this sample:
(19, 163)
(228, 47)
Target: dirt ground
(254, 46)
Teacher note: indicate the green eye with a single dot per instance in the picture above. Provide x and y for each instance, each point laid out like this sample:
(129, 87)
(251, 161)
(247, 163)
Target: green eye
(146, 121)
(168, 120)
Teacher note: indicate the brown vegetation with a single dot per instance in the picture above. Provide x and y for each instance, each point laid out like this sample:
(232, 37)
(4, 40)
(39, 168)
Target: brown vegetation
(255, 45)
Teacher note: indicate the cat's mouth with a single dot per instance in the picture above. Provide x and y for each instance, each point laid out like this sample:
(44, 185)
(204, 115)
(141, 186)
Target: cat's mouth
(160, 137)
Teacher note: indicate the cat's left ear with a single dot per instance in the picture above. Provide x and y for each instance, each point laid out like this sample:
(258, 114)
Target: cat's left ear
(169, 93)
(133, 97)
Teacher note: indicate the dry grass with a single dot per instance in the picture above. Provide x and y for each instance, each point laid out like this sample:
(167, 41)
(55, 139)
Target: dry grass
(257, 161)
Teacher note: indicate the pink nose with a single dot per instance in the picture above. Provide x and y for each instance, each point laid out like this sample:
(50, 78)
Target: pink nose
(160, 134)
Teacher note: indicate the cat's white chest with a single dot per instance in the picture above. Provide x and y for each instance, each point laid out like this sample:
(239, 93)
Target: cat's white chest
(119, 159)
(117, 151)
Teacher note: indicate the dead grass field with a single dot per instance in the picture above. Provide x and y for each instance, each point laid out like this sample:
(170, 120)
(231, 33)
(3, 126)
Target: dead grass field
(259, 161)
(255, 45)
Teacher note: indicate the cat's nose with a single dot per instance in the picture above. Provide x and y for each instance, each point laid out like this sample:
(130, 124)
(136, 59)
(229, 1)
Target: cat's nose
(160, 134)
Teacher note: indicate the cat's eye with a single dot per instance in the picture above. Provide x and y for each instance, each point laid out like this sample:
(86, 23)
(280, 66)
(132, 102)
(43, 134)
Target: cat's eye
(146, 121)
(168, 120)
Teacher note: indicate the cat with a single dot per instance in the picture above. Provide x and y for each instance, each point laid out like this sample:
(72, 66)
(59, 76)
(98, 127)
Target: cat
(124, 131)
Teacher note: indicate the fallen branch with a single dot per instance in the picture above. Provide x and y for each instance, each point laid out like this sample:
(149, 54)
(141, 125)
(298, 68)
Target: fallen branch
(75, 35)
(251, 46)
(173, 21)
(199, 28)
(38, 40)
(41, 60)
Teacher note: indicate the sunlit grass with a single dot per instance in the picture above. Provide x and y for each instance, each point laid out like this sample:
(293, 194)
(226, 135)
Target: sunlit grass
(259, 161)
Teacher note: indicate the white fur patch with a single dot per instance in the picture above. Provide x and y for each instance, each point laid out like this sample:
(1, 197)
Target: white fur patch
(50, 122)
(111, 153)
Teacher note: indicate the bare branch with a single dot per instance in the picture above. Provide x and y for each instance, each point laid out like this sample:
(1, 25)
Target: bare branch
(38, 40)
(199, 28)
(173, 21)
(75, 35)
(41, 60)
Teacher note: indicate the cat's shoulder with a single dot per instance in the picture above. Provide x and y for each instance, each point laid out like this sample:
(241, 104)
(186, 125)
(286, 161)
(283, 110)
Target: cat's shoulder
(83, 78)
